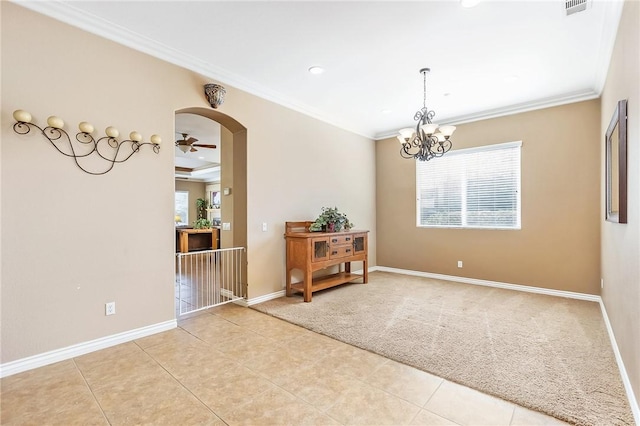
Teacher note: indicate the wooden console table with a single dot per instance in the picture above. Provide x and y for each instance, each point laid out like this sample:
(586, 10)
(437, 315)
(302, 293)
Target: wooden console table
(312, 251)
(186, 244)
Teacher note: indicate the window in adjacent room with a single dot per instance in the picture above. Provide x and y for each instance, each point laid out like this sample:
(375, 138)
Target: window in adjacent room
(182, 208)
(471, 188)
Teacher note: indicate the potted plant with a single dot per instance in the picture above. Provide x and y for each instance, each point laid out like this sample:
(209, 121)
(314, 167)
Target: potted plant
(331, 220)
(201, 223)
(201, 205)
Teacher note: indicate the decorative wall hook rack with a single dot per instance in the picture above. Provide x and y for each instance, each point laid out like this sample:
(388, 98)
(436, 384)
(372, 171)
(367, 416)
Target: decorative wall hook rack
(106, 147)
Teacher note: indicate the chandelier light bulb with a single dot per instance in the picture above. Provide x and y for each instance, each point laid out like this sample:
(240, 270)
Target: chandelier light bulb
(429, 128)
(406, 133)
(447, 131)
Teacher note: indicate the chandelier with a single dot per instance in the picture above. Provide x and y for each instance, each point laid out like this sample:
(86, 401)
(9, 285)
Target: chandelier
(428, 140)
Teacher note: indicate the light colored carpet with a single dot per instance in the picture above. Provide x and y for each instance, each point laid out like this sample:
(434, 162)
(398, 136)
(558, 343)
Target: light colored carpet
(550, 354)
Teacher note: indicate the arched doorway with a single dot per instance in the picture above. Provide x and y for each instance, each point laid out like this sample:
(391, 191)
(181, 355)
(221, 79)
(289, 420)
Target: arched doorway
(232, 184)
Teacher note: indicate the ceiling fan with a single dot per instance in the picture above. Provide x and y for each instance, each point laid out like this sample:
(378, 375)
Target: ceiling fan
(187, 144)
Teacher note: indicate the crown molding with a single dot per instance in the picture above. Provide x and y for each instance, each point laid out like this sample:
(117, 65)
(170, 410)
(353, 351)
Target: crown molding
(567, 98)
(69, 14)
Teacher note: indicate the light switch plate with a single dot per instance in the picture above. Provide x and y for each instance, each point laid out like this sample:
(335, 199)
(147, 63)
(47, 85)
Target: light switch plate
(226, 226)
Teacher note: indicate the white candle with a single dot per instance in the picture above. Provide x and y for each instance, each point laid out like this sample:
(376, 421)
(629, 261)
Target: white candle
(85, 127)
(155, 139)
(55, 122)
(22, 116)
(112, 132)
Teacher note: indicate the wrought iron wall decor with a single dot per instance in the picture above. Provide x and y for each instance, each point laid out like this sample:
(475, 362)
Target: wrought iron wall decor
(428, 140)
(215, 94)
(106, 147)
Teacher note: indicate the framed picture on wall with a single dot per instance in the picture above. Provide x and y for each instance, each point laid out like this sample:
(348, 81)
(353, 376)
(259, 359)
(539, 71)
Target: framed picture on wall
(616, 165)
(215, 199)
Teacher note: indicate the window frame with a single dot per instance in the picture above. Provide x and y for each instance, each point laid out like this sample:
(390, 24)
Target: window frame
(467, 151)
(186, 223)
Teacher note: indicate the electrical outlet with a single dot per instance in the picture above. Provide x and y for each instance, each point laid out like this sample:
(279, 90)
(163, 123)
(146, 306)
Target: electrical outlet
(459, 263)
(110, 308)
(264, 226)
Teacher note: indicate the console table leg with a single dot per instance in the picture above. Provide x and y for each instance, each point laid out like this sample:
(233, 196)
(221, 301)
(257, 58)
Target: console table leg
(365, 272)
(288, 285)
(308, 280)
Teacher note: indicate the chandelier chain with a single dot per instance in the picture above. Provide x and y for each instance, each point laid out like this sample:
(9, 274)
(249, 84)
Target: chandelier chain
(424, 94)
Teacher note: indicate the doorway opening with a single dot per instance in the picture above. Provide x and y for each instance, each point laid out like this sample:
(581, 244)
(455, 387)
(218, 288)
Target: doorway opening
(211, 230)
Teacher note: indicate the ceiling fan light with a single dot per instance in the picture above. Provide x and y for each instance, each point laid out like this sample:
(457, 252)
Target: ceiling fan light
(447, 131)
(184, 148)
(429, 128)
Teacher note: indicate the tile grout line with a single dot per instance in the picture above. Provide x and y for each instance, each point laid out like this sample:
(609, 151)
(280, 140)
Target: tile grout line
(513, 414)
(91, 390)
(424, 407)
(180, 383)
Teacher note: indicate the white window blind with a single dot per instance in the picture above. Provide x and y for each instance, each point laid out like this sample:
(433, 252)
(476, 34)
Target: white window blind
(471, 188)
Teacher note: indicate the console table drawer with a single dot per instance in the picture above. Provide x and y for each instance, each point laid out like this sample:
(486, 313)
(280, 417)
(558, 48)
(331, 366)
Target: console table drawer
(336, 252)
(341, 240)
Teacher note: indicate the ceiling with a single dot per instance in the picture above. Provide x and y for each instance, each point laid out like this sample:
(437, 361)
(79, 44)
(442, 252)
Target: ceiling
(205, 162)
(496, 58)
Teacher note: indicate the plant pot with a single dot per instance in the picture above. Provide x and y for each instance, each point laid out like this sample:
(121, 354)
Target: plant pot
(331, 227)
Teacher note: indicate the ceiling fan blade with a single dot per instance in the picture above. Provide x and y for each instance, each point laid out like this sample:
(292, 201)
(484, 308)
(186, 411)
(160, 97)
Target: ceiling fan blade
(204, 146)
(191, 140)
(193, 149)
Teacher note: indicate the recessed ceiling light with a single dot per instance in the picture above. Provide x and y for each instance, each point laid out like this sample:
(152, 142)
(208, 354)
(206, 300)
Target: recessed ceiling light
(386, 111)
(469, 3)
(201, 158)
(316, 70)
(446, 94)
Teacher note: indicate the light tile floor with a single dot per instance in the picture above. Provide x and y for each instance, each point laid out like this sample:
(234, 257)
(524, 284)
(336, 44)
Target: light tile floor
(233, 365)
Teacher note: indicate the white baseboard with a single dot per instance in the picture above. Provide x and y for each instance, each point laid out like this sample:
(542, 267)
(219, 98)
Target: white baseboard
(633, 403)
(507, 286)
(57, 355)
(265, 297)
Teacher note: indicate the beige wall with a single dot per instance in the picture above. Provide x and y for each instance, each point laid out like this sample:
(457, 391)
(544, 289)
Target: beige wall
(196, 190)
(558, 245)
(226, 181)
(621, 242)
(96, 239)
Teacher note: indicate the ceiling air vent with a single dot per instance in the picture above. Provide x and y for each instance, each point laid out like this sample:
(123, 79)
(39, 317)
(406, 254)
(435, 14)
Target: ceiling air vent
(574, 6)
